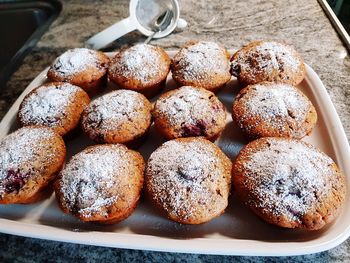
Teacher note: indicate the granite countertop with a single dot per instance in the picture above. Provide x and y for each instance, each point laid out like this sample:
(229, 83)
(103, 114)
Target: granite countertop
(232, 23)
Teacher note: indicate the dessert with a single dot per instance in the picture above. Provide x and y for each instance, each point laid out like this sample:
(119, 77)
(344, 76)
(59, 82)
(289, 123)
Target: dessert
(267, 61)
(189, 180)
(82, 67)
(121, 116)
(57, 105)
(142, 68)
(189, 111)
(201, 64)
(272, 109)
(289, 183)
(30, 159)
(102, 183)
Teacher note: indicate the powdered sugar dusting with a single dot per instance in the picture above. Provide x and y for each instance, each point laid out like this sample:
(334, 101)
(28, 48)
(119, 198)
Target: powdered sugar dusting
(140, 62)
(274, 103)
(268, 59)
(47, 105)
(288, 177)
(74, 61)
(189, 106)
(113, 109)
(90, 180)
(271, 101)
(18, 152)
(280, 54)
(202, 61)
(185, 178)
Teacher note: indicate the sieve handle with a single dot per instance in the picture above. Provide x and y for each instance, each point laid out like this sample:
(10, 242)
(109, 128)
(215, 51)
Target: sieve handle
(111, 33)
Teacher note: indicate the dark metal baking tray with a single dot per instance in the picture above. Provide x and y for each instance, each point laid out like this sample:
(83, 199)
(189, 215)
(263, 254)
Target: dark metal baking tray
(22, 23)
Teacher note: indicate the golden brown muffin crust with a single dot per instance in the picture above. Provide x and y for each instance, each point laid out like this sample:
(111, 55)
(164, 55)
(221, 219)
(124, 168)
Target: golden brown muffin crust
(102, 183)
(189, 179)
(120, 116)
(57, 105)
(189, 111)
(143, 68)
(201, 64)
(273, 110)
(82, 67)
(289, 183)
(30, 158)
(267, 61)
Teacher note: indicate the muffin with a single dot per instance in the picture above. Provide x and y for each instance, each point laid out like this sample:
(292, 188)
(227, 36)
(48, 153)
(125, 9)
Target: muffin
(142, 68)
(82, 67)
(289, 183)
(121, 116)
(57, 105)
(267, 61)
(272, 109)
(189, 180)
(201, 64)
(30, 159)
(189, 111)
(101, 184)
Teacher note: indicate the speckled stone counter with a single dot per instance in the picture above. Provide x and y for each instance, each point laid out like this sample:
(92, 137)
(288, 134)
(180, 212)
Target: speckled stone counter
(232, 23)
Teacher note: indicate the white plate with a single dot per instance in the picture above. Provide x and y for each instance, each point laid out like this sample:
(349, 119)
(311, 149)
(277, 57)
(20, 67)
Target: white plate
(237, 232)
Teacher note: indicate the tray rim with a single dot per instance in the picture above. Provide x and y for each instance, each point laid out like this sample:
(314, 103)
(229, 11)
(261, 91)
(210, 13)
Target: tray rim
(244, 247)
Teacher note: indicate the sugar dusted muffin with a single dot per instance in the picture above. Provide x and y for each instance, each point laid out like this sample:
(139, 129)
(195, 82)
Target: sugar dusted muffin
(189, 180)
(189, 111)
(82, 67)
(289, 183)
(142, 68)
(267, 61)
(272, 109)
(201, 64)
(121, 116)
(57, 105)
(102, 183)
(30, 159)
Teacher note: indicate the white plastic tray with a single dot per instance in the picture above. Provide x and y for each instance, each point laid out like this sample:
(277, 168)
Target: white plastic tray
(237, 232)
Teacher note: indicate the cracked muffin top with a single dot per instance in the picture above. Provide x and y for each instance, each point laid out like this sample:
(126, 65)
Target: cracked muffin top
(272, 109)
(189, 111)
(120, 116)
(201, 64)
(289, 183)
(267, 61)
